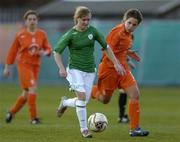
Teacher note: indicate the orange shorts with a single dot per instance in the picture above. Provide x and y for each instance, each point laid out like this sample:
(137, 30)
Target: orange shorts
(28, 74)
(109, 79)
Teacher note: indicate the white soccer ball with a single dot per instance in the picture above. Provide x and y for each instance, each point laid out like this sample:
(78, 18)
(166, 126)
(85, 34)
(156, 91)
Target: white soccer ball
(97, 122)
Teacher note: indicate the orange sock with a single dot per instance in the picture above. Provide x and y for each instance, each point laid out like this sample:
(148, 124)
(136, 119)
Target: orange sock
(18, 105)
(134, 114)
(94, 92)
(32, 106)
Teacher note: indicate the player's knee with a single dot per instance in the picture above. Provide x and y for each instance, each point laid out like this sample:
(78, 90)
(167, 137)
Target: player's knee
(80, 103)
(32, 89)
(134, 96)
(25, 94)
(106, 96)
(104, 99)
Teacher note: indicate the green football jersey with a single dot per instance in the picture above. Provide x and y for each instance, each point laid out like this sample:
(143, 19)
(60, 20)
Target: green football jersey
(81, 47)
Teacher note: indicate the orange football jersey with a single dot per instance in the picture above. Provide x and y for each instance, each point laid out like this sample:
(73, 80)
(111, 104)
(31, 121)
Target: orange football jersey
(27, 47)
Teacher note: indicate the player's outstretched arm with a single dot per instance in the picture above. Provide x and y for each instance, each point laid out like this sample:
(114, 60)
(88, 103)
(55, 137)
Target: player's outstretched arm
(133, 54)
(119, 68)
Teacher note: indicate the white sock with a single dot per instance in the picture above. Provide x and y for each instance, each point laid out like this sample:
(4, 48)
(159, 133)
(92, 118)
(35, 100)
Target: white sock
(70, 102)
(81, 114)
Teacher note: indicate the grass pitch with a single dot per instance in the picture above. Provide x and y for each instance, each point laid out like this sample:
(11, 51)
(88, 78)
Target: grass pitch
(160, 114)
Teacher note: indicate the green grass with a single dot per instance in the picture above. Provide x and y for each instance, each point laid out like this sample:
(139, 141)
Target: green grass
(160, 114)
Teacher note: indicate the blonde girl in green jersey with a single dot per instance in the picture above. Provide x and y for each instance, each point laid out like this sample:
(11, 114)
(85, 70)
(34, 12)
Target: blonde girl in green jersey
(80, 72)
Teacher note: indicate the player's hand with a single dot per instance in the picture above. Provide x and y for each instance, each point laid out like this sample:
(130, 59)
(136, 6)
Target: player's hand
(6, 72)
(131, 64)
(44, 53)
(133, 55)
(62, 72)
(119, 68)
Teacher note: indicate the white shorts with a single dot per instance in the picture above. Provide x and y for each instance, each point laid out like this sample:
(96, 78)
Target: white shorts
(80, 81)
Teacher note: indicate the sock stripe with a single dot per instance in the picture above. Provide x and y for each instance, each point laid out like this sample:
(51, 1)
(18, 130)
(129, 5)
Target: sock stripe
(80, 106)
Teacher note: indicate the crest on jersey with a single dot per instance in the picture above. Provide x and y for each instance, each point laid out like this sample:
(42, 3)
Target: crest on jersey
(33, 49)
(90, 36)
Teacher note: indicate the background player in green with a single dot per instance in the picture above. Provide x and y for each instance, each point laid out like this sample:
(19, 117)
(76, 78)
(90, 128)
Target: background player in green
(81, 69)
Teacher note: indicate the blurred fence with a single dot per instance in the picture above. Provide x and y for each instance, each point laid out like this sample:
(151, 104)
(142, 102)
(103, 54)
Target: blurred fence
(158, 40)
(11, 15)
(160, 47)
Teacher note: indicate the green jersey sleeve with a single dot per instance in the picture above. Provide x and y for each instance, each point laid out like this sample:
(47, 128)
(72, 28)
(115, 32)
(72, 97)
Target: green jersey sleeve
(62, 43)
(100, 39)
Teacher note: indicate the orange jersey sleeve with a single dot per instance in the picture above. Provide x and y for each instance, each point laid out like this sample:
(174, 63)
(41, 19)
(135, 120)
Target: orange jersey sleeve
(46, 46)
(12, 53)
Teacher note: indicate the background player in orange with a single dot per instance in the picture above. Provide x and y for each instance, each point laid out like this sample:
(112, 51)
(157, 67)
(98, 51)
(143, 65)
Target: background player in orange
(120, 40)
(30, 43)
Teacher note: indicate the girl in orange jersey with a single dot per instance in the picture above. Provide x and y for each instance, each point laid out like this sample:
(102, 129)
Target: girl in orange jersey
(29, 44)
(120, 41)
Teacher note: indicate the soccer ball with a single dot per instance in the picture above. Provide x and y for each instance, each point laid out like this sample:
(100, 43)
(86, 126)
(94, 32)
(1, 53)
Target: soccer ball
(97, 122)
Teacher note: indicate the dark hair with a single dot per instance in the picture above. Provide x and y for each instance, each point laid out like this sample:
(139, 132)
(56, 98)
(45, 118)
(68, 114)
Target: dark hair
(27, 13)
(134, 13)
